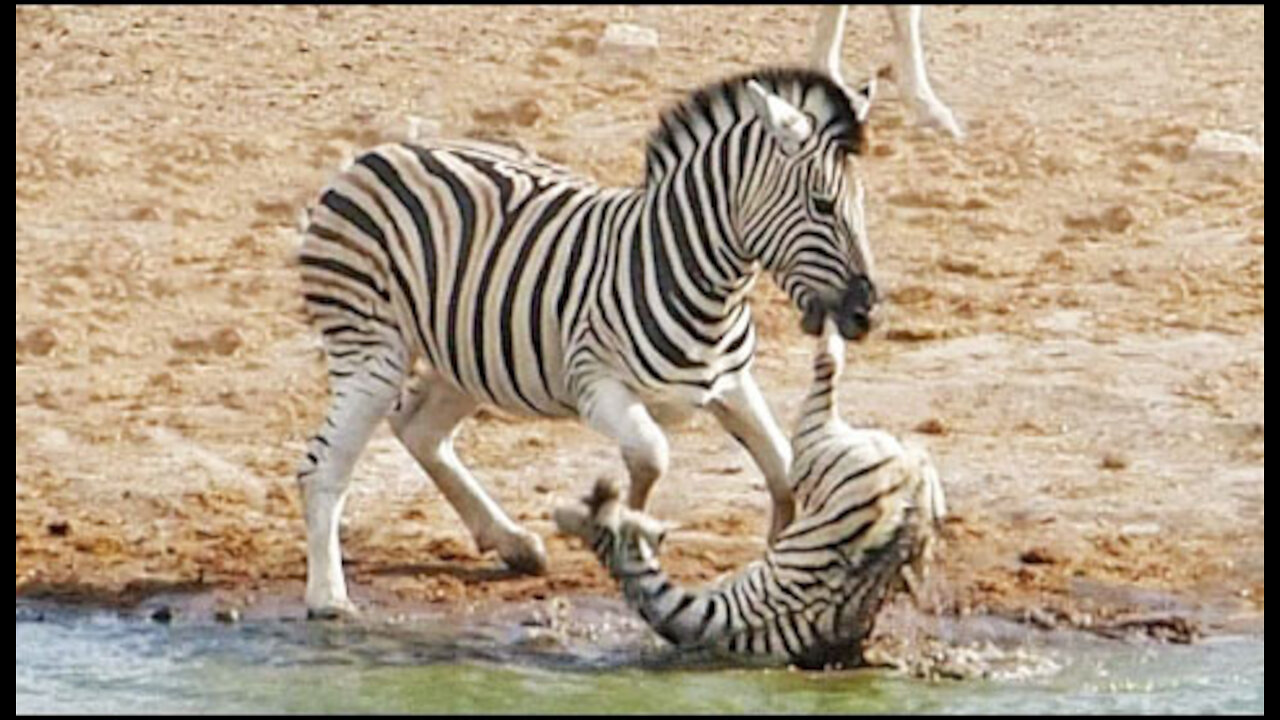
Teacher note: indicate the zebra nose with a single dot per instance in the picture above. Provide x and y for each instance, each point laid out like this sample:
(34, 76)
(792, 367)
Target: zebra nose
(854, 314)
(861, 294)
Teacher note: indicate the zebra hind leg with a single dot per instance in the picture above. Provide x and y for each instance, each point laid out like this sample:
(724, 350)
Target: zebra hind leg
(425, 422)
(361, 394)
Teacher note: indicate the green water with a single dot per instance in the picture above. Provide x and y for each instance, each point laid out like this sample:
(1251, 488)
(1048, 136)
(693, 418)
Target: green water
(103, 663)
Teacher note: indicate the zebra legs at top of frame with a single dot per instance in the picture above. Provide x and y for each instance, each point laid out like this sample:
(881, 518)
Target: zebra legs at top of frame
(455, 274)
(908, 67)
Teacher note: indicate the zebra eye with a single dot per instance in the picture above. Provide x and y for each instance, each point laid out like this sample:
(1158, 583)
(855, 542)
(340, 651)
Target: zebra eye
(824, 206)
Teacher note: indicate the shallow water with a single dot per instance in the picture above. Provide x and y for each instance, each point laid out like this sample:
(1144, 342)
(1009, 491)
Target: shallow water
(103, 662)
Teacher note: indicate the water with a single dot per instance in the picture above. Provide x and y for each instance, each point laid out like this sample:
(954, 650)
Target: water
(101, 662)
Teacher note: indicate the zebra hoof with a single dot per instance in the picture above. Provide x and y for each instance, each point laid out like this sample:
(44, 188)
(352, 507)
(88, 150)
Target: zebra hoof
(524, 553)
(339, 610)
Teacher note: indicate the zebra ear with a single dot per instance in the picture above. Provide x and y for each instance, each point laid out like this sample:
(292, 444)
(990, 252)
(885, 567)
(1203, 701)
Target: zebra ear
(862, 98)
(650, 529)
(785, 123)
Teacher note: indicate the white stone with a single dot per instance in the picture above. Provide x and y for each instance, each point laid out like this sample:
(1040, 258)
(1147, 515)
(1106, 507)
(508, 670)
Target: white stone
(627, 39)
(1140, 529)
(1222, 146)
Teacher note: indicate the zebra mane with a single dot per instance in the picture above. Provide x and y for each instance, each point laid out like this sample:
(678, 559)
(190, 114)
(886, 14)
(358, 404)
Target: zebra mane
(810, 90)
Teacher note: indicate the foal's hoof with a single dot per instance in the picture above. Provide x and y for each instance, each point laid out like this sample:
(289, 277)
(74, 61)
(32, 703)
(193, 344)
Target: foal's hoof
(523, 552)
(335, 610)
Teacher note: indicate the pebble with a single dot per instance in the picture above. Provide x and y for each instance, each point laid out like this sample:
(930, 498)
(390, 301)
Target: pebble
(627, 39)
(39, 342)
(228, 615)
(522, 113)
(1114, 461)
(1038, 556)
(932, 426)
(1222, 146)
(226, 341)
(1140, 529)
(1116, 219)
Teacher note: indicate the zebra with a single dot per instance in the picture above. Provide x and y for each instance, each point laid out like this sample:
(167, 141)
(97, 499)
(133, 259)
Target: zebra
(867, 512)
(449, 275)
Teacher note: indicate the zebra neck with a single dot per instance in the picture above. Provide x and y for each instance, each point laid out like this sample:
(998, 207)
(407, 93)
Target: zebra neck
(685, 236)
(682, 617)
(819, 407)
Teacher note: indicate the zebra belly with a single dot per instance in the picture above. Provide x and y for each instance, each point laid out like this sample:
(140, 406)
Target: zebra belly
(498, 364)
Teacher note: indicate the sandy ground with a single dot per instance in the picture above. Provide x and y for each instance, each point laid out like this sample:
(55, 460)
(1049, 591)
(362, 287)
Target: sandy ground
(1074, 322)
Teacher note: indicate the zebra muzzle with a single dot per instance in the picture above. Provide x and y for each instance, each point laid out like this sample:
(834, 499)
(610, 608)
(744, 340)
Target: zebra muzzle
(851, 313)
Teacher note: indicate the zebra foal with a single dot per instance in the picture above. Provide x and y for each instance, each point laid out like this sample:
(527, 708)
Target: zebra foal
(866, 513)
(449, 275)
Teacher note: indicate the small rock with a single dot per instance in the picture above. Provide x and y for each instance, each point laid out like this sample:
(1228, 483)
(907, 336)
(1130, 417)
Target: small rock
(959, 266)
(933, 426)
(40, 342)
(223, 341)
(143, 213)
(914, 333)
(1041, 618)
(1116, 219)
(281, 210)
(1114, 461)
(1222, 146)
(59, 528)
(226, 341)
(552, 58)
(522, 113)
(1039, 556)
(227, 615)
(162, 614)
(627, 39)
(164, 380)
(1140, 529)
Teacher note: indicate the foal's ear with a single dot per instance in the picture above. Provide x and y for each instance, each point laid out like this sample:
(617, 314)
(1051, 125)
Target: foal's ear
(784, 121)
(573, 520)
(648, 528)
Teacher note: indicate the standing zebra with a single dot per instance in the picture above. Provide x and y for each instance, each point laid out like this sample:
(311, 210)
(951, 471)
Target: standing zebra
(866, 509)
(520, 285)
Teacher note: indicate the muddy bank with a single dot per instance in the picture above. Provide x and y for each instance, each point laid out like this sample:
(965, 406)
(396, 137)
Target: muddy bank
(1074, 315)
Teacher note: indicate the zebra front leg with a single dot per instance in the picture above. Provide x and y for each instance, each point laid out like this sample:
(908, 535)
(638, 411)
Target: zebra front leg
(828, 34)
(742, 411)
(359, 401)
(611, 408)
(426, 422)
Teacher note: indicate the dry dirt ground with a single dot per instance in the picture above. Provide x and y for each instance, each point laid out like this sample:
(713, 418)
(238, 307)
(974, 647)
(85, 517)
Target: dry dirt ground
(1074, 316)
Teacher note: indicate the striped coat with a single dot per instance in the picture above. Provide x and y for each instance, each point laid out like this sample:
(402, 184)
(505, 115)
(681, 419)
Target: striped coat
(867, 506)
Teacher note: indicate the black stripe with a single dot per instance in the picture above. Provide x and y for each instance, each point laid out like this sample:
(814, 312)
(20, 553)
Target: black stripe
(685, 601)
(390, 177)
(548, 212)
(467, 214)
(341, 268)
